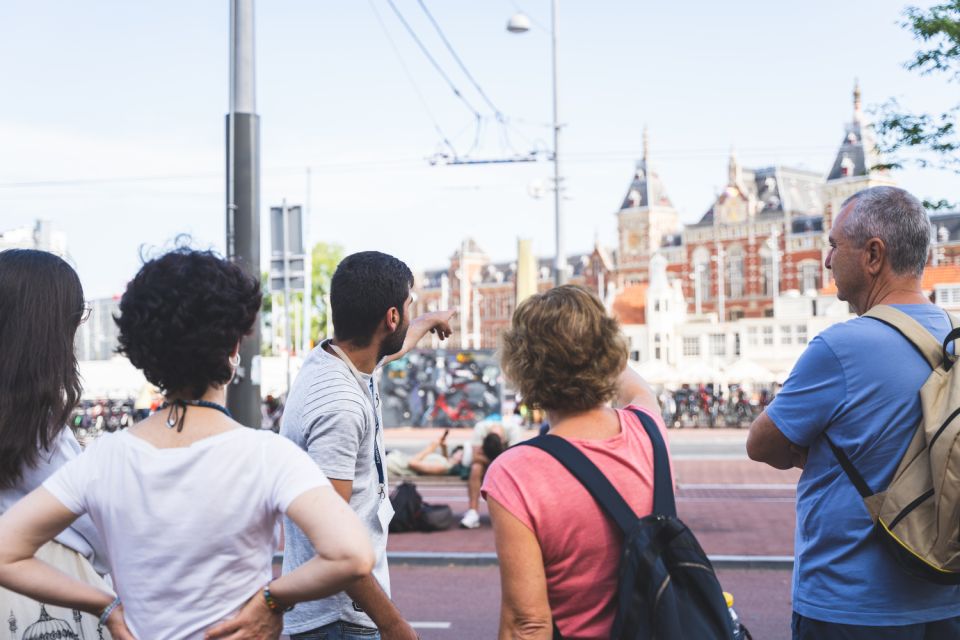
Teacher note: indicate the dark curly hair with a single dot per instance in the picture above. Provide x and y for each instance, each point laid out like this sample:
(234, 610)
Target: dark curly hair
(181, 317)
(563, 352)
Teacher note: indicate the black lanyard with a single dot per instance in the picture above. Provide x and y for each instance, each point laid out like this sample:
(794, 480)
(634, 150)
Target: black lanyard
(178, 410)
(376, 450)
(381, 477)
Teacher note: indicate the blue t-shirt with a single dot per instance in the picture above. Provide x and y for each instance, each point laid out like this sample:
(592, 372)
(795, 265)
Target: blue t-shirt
(860, 381)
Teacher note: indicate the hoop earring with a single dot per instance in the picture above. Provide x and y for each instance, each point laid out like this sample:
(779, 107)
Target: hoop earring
(234, 361)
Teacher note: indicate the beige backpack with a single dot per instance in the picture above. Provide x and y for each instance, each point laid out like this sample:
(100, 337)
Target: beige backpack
(918, 516)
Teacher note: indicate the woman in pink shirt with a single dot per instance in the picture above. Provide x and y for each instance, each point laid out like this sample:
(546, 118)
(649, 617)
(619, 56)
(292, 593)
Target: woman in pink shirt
(558, 552)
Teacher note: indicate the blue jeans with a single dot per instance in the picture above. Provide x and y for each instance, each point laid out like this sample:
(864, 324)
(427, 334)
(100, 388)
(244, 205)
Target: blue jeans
(338, 630)
(809, 629)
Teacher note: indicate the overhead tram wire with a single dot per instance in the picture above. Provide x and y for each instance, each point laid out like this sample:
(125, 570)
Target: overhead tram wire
(436, 65)
(413, 83)
(610, 155)
(443, 37)
(498, 114)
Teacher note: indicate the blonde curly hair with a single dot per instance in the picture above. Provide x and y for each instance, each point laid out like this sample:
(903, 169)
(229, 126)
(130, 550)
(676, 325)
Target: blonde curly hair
(563, 352)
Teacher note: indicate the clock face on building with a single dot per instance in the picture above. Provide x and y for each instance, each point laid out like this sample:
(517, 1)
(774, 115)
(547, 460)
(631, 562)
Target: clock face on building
(733, 208)
(633, 241)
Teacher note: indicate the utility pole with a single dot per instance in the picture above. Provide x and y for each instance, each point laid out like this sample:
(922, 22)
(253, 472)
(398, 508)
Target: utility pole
(243, 199)
(307, 275)
(560, 275)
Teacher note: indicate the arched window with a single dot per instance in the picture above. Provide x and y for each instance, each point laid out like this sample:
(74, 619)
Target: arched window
(766, 272)
(701, 272)
(735, 272)
(809, 275)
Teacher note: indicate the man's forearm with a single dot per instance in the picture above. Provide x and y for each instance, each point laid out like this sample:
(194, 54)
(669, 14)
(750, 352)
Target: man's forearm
(368, 594)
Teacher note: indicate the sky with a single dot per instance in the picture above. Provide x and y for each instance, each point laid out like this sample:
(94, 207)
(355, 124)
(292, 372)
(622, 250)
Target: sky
(112, 122)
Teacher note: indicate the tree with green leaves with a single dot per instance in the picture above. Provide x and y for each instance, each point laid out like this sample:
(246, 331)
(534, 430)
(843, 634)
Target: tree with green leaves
(926, 139)
(326, 256)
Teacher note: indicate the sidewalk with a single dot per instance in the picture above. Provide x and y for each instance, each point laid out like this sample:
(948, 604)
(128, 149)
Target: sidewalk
(735, 508)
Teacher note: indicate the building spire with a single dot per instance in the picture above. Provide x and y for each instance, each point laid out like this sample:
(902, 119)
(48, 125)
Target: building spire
(735, 177)
(646, 146)
(857, 109)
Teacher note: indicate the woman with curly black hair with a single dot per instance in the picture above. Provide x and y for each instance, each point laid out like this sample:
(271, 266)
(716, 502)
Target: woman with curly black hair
(188, 500)
(41, 307)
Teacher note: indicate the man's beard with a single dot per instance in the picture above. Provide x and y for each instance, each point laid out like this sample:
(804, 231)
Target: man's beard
(393, 343)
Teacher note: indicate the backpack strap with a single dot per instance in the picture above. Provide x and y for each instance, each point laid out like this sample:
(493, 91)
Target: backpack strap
(663, 500)
(924, 342)
(597, 484)
(847, 465)
(592, 479)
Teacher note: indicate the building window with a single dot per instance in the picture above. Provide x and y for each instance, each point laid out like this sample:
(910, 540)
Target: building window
(786, 335)
(809, 276)
(735, 272)
(768, 335)
(801, 334)
(691, 346)
(635, 356)
(752, 336)
(701, 273)
(656, 347)
(948, 294)
(766, 273)
(718, 344)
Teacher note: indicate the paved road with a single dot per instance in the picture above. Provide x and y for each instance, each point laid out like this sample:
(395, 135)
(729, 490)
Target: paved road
(463, 603)
(692, 444)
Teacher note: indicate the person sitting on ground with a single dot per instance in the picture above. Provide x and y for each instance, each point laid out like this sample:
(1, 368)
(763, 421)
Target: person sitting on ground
(559, 553)
(41, 308)
(428, 462)
(188, 500)
(491, 437)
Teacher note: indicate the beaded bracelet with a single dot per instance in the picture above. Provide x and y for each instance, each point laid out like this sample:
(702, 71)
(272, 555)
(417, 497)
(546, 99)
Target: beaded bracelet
(272, 603)
(105, 615)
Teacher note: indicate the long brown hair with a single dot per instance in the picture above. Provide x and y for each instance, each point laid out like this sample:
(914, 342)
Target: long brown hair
(41, 305)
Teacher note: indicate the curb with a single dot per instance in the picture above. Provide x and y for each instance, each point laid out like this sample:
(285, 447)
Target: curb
(488, 559)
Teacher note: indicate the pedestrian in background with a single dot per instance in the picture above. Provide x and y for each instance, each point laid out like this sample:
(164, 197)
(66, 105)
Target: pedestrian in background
(559, 553)
(333, 412)
(187, 500)
(491, 437)
(41, 307)
(858, 383)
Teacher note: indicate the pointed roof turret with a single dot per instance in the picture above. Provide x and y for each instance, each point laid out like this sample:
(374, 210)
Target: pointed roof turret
(857, 108)
(646, 190)
(858, 153)
(735, 174)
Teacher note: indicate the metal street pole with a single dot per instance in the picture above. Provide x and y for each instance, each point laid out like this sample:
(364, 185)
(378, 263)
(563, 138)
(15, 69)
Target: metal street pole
(287, 335)
(243, 198)
(307, 276)
(520, 23)
(560, 264)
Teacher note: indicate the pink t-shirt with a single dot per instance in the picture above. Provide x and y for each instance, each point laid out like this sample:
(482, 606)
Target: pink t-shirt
(581, 546)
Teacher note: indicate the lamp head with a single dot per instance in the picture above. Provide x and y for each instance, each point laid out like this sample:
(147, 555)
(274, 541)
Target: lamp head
(518, 23)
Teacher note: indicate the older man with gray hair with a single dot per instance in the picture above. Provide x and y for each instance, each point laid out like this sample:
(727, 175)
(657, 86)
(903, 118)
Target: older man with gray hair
(857, 384)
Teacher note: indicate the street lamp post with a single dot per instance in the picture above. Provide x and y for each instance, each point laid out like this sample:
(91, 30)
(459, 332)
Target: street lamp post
(243, 198)
(520, 23)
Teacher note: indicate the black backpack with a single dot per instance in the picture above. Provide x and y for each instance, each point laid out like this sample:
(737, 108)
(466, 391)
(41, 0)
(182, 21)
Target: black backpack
(411, 513)
(667, 588)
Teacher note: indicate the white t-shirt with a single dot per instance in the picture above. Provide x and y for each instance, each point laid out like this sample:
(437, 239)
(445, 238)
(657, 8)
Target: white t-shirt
(190, 530)
(81, 536)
